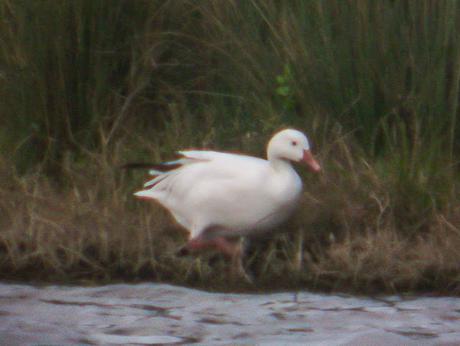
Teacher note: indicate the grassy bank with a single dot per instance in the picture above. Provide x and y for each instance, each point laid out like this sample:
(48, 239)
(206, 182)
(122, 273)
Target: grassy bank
(89, 85)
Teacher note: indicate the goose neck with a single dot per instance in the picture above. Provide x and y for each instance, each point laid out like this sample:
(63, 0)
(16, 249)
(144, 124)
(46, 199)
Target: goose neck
(280, 165)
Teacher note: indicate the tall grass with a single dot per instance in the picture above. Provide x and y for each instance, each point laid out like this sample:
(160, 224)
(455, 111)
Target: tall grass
(86, 85)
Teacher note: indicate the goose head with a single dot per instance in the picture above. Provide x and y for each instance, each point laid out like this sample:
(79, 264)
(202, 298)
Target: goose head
(291, 145)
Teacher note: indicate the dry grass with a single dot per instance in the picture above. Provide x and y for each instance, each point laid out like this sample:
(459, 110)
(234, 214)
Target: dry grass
(383, 260)
(345, 236)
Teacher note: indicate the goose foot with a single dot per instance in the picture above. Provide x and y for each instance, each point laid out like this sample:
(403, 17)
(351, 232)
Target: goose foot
(232, 249)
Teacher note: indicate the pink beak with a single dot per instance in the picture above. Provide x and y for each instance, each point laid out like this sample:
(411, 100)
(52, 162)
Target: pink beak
(310, 161)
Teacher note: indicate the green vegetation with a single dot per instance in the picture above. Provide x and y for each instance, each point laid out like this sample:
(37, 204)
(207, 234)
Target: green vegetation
(88, 85)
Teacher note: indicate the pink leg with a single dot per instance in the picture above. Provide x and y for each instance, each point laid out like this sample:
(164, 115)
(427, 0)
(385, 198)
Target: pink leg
(198, 244)
(232, 249)
(227, 247)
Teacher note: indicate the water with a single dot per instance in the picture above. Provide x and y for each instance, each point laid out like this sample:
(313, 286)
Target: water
(152, 314)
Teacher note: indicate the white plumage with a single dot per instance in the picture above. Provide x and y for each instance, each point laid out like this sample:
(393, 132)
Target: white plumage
(217, 196)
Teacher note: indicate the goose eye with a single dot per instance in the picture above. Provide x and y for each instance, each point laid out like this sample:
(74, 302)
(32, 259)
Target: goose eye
(294, 143)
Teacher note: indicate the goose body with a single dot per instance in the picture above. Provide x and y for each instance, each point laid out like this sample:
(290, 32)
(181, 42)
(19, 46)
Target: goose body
(230, 193)
(219, 196)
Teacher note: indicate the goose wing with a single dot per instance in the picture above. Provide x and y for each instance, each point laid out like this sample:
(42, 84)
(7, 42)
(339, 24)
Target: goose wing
(197, 166)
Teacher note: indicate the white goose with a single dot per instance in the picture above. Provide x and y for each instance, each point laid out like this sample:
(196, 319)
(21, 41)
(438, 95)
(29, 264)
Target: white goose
(219, 197)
